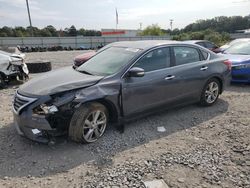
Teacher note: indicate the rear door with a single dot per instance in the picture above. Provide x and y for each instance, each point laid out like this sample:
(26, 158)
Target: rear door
(190, 71)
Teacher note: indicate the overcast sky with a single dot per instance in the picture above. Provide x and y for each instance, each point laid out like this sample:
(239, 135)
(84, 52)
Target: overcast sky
(97, 14)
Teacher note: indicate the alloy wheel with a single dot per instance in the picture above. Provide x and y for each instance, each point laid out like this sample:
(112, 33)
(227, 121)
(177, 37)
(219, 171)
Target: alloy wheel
(212, 92)
(94, 126)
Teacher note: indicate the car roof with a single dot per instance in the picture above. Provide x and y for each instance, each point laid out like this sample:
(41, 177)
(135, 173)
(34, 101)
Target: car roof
(143, 44)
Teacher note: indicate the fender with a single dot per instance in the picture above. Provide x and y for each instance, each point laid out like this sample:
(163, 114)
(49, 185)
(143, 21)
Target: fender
(108, 95)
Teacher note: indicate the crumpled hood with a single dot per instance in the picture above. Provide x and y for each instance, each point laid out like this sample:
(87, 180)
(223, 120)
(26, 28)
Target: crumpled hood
(6, 59)
(64, 79)
(235, 59)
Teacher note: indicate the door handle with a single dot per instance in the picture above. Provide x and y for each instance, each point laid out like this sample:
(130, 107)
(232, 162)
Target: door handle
(170, 77)
(204, 68)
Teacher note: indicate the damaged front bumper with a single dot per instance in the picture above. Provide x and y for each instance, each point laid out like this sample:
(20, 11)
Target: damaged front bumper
(33, 127)
(37, 127)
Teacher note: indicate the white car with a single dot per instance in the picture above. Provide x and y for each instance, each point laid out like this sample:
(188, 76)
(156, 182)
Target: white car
(12, 67)
(233, 42)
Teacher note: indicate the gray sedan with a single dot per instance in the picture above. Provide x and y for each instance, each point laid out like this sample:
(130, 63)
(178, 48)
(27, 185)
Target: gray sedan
(124, 81)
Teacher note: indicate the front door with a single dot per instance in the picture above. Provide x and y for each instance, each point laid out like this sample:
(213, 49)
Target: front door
(154, 88)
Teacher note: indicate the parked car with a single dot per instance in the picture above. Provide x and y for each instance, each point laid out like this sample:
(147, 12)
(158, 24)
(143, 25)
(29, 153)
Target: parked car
(206, 44)
(235, 41)
(122, 82)
(82, 58)
(239, 55)
(12, 67)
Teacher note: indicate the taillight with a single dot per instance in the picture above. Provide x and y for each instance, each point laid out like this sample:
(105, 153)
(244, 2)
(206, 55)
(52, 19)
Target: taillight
(228, 64)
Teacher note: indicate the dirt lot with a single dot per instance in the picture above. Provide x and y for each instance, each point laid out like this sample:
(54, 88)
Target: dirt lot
(202, 147)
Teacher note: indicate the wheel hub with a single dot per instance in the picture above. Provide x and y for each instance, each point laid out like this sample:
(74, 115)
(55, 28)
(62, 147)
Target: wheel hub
(94, 126)
(212, 92)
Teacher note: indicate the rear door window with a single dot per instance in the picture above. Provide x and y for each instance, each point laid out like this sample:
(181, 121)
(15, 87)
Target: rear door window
(184, 55)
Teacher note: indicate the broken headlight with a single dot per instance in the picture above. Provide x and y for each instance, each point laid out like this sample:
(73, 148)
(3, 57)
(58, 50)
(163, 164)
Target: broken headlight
(44, 109)
(51, 107)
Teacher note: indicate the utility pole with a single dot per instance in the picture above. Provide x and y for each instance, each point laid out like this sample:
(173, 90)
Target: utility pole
(171, 24)
(140, 26)
(28, 9)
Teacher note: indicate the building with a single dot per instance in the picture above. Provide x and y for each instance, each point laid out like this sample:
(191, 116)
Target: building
(119, 33)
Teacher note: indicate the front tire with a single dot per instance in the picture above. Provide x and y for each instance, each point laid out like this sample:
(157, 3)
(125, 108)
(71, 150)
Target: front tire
(210, 92)
(88, 123)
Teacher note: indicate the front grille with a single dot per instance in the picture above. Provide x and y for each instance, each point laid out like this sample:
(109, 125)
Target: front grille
(21, 102)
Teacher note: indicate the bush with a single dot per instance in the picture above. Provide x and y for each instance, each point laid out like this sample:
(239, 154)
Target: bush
(152, 30)
(208, 34)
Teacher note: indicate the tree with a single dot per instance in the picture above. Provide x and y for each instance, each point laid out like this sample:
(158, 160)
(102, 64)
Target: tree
(3, 34)
(72, 31)
(52, 30)
(152, 30)
(81, 32)
(8, 31)
(45, 33)
(220, 24)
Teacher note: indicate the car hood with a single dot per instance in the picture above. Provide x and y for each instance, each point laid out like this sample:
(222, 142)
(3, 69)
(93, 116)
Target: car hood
(64, 79)
(235, 59)
(6, 59)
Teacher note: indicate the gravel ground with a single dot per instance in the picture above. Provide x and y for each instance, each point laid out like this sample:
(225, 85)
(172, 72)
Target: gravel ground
(202, 147)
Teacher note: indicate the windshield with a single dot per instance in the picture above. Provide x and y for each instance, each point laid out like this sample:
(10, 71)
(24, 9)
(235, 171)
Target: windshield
(240, 48)
(108, 61)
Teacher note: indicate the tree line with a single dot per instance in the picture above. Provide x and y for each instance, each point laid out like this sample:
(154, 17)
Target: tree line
(216, 29)
(48, 31)
(221, 24)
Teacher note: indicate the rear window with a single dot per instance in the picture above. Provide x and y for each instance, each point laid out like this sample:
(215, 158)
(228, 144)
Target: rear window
(201, 44)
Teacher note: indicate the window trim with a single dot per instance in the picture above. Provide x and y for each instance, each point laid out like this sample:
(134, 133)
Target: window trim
(172, 58)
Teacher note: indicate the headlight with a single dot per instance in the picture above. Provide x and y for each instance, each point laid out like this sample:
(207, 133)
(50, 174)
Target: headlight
(55, 104)
(49, 109)
(44, 109)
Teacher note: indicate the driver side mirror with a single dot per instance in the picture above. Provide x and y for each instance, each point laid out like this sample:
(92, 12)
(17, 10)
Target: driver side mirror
(136, 72)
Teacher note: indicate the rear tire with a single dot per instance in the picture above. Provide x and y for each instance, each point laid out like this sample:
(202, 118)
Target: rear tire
(210, 92)
(88, 123)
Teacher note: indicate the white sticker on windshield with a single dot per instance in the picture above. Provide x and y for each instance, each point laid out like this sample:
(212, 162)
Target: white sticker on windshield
(132, 49)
